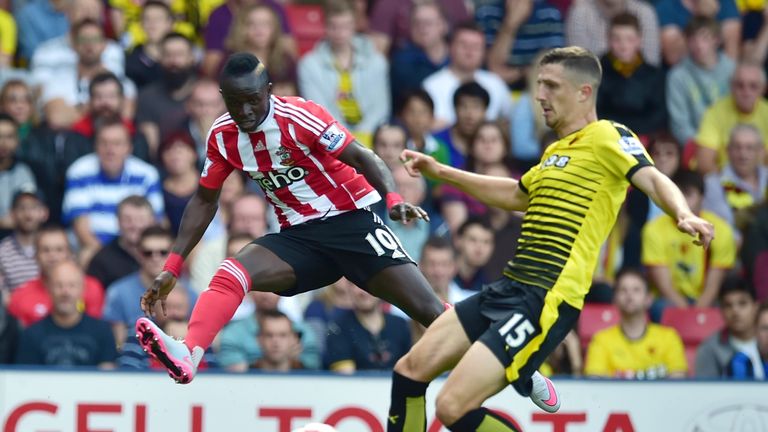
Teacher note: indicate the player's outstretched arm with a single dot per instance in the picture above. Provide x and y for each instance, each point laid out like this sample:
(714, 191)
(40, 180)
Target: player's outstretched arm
(198, 214)
(666, 195)
(378, 175)
(502, 192)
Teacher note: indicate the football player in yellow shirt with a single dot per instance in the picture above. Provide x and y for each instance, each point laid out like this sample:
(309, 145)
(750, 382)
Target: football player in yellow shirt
(501, 335)
(635, 348)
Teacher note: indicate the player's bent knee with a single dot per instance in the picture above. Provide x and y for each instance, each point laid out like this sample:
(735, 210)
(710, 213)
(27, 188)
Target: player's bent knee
(449, 408)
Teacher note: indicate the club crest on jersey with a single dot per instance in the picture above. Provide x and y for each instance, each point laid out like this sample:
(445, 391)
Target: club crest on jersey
(285, 157)
(557, 161)
(332, 137)
(275, 180)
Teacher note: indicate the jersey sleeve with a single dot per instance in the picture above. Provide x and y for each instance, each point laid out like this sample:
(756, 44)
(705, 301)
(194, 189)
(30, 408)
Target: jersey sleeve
(315, 126)
(622, 156)
(216, 169)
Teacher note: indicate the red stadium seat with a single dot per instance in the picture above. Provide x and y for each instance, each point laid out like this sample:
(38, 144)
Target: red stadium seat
(693, 324)
(307, 25)
(595, 317)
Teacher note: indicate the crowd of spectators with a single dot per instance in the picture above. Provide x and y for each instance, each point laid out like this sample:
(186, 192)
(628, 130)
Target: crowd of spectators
(105, 107)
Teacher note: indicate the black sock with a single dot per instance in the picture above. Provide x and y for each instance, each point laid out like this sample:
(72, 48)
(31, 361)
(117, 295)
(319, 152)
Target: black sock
(482, 420)
(407, 411)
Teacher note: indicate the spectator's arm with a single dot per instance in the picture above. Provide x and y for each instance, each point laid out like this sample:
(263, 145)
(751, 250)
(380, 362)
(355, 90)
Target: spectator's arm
(712, 283)
(757, 50)
(119, 331)
(722, 257)
(573, 351)
(89, 243)
(731, 34)
(673, 47)
(517, 12)
(660, 276)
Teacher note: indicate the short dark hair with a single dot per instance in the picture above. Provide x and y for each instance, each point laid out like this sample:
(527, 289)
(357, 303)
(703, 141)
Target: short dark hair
(134, 201)
(51, 229)
(761, 309)
(333, 8)
(625, 19)
(440, 243)
(576, 59)
(698, 23)
(4, 117)
(274, 314)
(472, 90)
(630, 271)
(468, 26)
(155, 231)
(107, 121)
(687, 179)
(473, 221)
(735, 284)
(85, 23)
(383, 126)
(240, 64)
(105, 77)
(419, 94)
(159, 4)
(176, 35)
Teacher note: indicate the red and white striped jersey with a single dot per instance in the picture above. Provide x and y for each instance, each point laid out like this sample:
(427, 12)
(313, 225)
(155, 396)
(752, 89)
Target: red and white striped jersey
(293, 157)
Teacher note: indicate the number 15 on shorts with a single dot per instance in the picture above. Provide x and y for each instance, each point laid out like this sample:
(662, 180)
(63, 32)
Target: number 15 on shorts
(516, 330)
(382, 240)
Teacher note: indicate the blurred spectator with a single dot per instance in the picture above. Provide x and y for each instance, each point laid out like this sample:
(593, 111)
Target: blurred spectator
(106, 100)
(527, 129)
(742, 185)
(366, 338)
(218, 29)
(39, 21)
(416, 113)
(635, 348)
(738, 307)
(122, 307)
(414, 233)
(16, 100)
(67, 337)
(683, 272)
(127, 19)
(698, 80)
(31, 301)
(754, 252)
(676, 15)
(9, 335)
(471, 102)
(248, 216)
(97, 182)
(488, 149)
(474, 244)
(179, 158)
(391, 20)
(279, 343)
(57, 55)
(516, 32)
(204, 106)
(119, 257)
(8, 39)
(588, 21)
(632, 90)
(745, 105)
(326, 306)
(506, 228)
(742, 365)
(467, 53)
(15, 176)
(160, 105)
(424, 55)
(142, 63)
(257, 30)
(345, 74)
(17, 251)
(388, 142)
(438, 263)
(666, 154)
(239, 346)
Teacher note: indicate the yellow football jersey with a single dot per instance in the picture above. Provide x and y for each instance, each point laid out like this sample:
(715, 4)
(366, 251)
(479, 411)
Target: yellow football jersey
(574, 197)
(665, 245)
(658, 353)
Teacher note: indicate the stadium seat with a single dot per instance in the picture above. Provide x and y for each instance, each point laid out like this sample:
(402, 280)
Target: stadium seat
(307, 25)
(693, 324)
(595, 317)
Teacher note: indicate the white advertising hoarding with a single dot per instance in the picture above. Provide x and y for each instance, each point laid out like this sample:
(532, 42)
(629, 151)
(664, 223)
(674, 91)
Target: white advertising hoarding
(41, 401)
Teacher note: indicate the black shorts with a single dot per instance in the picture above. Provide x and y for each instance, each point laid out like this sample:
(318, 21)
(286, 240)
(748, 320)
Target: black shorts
(521, 324)
(356, 245)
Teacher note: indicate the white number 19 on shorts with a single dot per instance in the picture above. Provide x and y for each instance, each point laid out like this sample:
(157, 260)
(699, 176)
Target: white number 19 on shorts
(382, 239)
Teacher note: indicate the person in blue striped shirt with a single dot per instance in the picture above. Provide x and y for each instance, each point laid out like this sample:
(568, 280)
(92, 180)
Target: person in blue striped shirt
(98, 181)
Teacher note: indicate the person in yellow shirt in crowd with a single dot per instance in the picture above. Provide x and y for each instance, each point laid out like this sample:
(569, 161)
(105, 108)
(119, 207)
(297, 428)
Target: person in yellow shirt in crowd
(635, 348)
(8, 38)
(745, 105)
(685, 275)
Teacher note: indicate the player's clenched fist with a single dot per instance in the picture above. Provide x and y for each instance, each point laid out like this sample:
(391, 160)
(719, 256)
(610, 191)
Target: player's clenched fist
(417, 163)
(161, 287)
